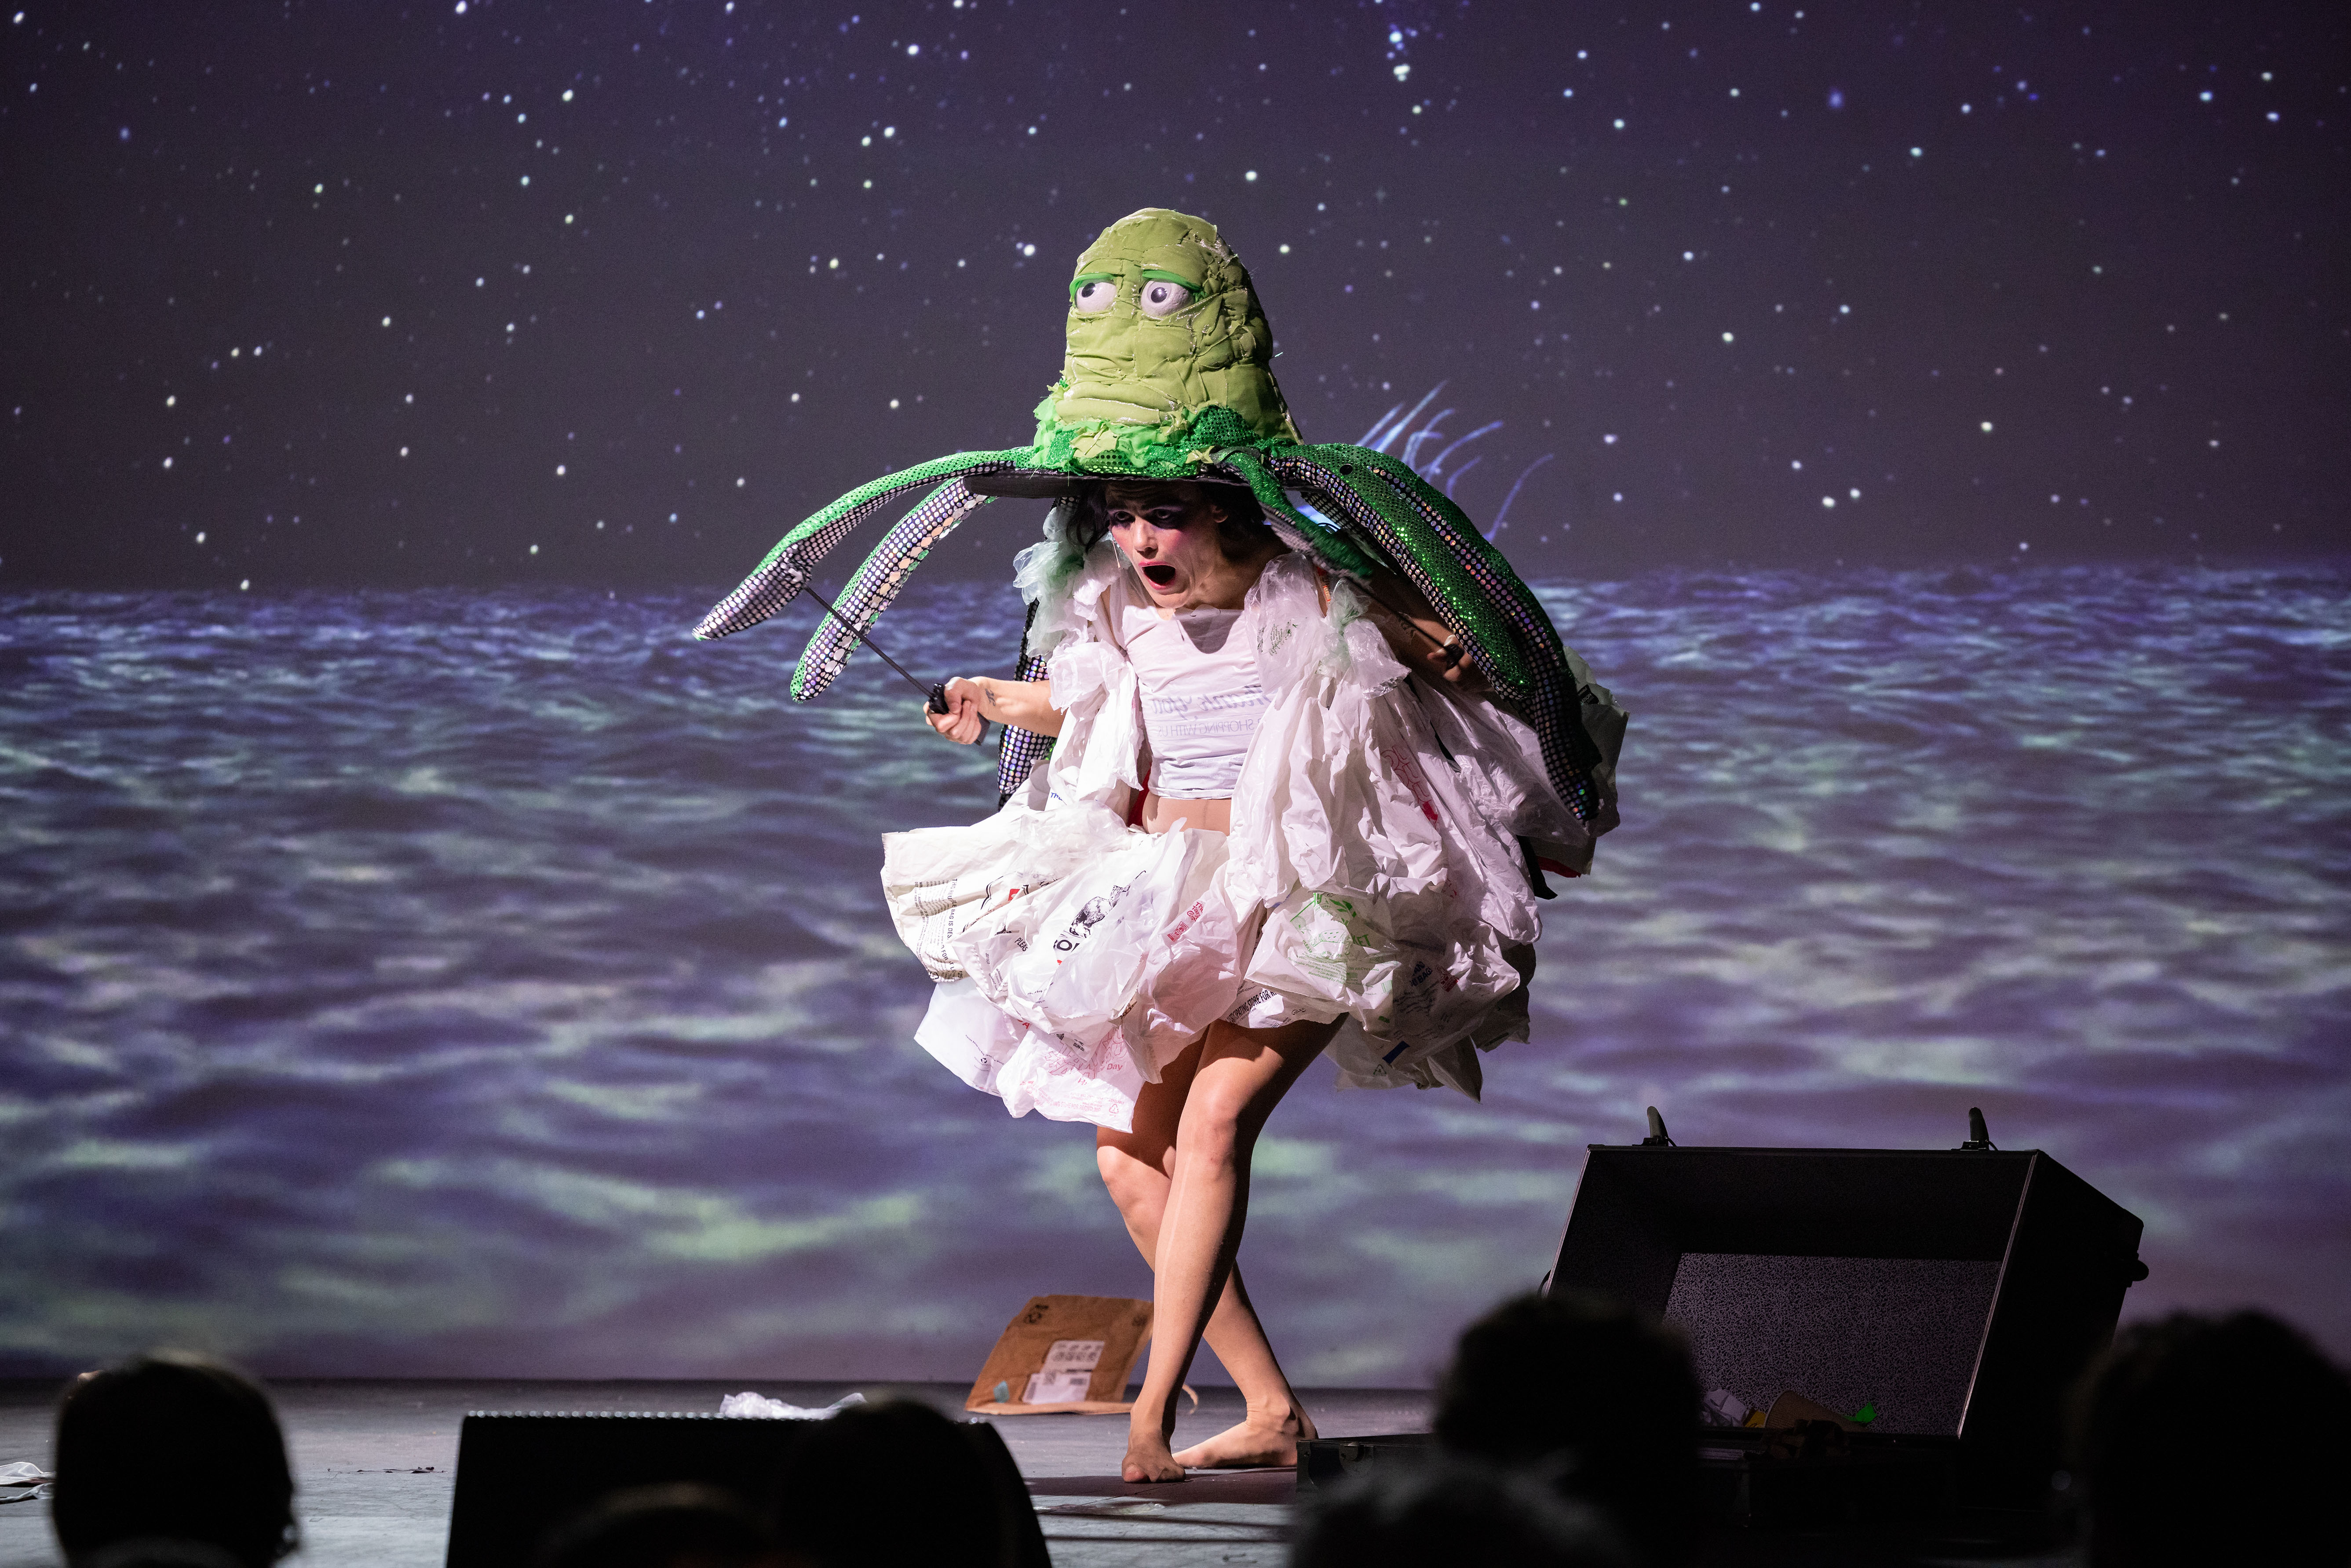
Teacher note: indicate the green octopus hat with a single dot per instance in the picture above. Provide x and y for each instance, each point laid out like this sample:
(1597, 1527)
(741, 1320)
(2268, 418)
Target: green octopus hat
(1164, 327)
(1169, 374)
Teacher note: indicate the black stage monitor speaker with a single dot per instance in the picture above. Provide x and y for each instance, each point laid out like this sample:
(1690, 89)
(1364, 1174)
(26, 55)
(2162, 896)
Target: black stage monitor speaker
(1959, 1292)
(522, 1473)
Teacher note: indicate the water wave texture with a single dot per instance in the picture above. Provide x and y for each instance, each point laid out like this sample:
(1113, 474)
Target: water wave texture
(461, 984)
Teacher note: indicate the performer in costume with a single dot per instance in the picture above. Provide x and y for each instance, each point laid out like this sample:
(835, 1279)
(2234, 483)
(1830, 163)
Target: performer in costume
(1281, 775)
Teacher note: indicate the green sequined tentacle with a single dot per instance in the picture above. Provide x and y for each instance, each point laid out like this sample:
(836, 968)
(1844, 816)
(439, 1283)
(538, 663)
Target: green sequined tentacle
(1336, 551)
(1426, 563)
(1553, 697)
(1463, 539)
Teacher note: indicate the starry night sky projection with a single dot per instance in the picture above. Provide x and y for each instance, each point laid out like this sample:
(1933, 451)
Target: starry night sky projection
(616, 292)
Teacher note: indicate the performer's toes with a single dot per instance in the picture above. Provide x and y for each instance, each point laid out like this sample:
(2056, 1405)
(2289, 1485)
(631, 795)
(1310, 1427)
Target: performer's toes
(1147, 1459)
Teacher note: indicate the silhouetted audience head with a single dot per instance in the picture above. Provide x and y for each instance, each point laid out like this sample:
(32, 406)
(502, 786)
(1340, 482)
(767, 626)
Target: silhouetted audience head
(895, 1482)
(1455, 1512)
(1591, 1386)
(170, 1453)
(677, 1526)
(2203, 1440)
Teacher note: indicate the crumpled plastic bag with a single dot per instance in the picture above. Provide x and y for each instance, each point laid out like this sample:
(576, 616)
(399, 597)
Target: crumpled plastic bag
(940, 882)
(1066, 997)
(1096, 756)
(1029, 1071)
(759, 1404)
(1393, 893)
(1076, 929)
(1071, 958)
(25, 1481)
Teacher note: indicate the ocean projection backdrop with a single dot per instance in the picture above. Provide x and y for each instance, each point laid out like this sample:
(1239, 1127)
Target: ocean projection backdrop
(499, 983)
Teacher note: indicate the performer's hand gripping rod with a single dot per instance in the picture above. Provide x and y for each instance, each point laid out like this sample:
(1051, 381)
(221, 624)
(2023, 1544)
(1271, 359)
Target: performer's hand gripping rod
(934, 696)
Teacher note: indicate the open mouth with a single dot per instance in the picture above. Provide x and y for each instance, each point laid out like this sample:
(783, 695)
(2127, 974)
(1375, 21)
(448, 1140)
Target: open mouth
(1161, 574)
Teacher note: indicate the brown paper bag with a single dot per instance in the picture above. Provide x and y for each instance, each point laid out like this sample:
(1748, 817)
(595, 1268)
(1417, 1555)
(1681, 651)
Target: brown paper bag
(1066, 1355)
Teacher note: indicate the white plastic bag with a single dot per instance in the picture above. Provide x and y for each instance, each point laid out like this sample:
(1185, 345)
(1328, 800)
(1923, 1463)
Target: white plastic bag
(1065, 986)
(941, 882)
(759, 1406)
(1070, 958)
(1061, 1079)
(1391, 896)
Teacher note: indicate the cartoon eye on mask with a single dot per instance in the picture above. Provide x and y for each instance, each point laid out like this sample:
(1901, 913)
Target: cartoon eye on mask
(1164, 296)
(1092, 296)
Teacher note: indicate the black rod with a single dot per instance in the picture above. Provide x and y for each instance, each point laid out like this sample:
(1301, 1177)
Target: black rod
(934, 696)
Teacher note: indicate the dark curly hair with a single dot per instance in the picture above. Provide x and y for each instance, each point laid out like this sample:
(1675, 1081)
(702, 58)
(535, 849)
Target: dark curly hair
(1241, 531)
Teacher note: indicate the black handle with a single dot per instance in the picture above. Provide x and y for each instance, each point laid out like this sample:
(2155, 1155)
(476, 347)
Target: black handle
(938, 703)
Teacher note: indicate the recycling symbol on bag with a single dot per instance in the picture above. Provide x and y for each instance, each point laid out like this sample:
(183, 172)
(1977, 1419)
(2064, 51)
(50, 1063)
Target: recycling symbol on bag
(1330, 936)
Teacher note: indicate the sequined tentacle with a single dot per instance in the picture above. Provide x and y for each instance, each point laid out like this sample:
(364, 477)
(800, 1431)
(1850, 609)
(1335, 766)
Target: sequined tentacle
(1333, 548)
(1018, 750)
(1506, 620)
(876, 582)
(1557, 707)
(777, 579)
(1477, 554)
(1402, 534)
(1550, 699)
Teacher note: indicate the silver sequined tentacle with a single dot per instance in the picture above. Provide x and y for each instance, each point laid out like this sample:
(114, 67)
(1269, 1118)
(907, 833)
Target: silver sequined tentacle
(876, 583)
(777, 579)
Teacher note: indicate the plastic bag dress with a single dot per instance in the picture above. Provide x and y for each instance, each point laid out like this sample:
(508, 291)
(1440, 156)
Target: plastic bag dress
(1373, 875)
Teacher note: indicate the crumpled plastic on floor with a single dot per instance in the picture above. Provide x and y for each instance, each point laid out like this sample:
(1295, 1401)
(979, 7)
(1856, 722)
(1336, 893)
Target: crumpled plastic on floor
(25, 1481)
(759, 1404)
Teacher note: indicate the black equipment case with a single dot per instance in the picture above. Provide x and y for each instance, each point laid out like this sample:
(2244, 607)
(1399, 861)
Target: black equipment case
(1959, 1292)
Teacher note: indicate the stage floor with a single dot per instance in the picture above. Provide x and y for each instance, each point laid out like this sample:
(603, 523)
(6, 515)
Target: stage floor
(375, 1463)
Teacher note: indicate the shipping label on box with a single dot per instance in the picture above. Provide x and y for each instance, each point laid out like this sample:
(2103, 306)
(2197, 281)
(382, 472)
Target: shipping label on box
(1068, 1373)
(1063, 1354)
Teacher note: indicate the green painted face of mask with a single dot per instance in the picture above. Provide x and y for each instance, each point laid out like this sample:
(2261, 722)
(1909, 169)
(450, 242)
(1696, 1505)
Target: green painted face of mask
(1163, 325)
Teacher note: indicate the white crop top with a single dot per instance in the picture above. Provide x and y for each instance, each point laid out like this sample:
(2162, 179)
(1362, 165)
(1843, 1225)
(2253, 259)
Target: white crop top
(1201, 700)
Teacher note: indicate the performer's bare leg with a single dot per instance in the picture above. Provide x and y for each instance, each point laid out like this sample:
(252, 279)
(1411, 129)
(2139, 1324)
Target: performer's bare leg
(1237, 1079)
(1136, 1168)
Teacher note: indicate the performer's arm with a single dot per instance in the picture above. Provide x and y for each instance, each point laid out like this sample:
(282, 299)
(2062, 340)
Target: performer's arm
(1432, 650)
(974, 703)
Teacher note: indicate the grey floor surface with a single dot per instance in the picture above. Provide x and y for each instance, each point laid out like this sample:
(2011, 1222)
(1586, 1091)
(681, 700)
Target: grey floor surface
(375, 1464)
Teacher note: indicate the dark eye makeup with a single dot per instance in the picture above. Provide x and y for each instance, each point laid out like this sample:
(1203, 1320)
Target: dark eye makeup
(1160, 517)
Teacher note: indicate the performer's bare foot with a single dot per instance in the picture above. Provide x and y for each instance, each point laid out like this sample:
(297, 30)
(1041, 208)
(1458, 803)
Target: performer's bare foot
(1147, 1459)
(1258, 1440)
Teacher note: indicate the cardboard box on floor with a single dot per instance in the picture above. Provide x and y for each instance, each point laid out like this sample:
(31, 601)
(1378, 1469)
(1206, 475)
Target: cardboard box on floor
(1064, 1355)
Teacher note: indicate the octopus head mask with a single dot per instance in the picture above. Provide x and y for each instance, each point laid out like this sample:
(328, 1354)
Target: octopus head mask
(1163, 326)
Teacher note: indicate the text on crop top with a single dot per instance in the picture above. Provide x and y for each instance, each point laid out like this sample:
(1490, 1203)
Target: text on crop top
(1201, 699)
